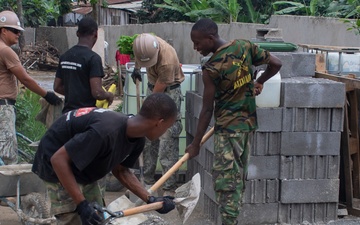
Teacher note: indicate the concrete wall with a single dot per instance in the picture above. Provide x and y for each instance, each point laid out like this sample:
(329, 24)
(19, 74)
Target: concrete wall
(315, 30)
(295, 29)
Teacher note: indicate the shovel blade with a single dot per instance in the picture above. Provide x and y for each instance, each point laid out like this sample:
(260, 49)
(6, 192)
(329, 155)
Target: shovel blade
(187, 196)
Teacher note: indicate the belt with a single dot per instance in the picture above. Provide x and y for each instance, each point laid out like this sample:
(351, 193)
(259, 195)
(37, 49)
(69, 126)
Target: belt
(151, 86)
(7, 102)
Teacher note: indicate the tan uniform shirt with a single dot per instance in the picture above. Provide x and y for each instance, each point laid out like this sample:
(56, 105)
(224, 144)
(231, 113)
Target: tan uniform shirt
(167, 69)
(8, 60)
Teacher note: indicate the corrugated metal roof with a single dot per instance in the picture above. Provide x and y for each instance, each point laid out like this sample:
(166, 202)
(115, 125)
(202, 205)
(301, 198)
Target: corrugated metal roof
(131, 6)
(112, 2)
(83, 10)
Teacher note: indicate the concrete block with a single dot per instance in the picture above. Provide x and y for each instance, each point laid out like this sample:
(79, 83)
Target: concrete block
(194, 106)
(261, 191)
(269, 119)
(303, 64)
(199, 84)
(255, 214)
(264, 167)
(310, 213)
(310, 167)
(305, 92)
(310, 143)
(266, 143)
(312, 119)
(208, 186)
(211, 209)
(191, 123)
(309, 191)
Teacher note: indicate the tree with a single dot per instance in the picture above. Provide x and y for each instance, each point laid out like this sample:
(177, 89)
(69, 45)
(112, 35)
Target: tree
(218, 10)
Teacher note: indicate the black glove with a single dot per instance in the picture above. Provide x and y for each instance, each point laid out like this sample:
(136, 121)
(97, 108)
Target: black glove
(52, 98)
(136, 74)
(168, 204)
(88, 214)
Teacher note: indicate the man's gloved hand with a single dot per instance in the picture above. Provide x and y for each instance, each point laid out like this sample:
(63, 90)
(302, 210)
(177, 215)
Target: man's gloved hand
(136, 74)
(88, 214)
(52, 98)
(168, 204)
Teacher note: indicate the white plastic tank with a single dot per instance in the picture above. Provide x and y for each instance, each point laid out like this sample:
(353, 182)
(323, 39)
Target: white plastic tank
(270, 95)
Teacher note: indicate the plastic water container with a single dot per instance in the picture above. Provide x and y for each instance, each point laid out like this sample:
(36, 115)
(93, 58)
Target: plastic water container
(270, 95)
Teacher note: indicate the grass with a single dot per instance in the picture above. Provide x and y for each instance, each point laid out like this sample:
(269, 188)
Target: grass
(27, 107)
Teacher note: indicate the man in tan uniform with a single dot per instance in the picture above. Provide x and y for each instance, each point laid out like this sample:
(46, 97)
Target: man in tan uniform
(10, 70)
(164, 75)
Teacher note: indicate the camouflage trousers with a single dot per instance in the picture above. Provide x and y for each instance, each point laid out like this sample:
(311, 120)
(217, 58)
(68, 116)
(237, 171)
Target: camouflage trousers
(8, 141)
(166, 148)
(62, 205)
(231, 157)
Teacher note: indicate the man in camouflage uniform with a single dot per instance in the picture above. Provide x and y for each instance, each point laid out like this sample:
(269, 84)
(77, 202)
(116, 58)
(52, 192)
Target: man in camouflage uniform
(164, 75)
(11, 69)
(228, 81)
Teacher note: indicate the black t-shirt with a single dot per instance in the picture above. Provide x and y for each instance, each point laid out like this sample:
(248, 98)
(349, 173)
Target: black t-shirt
(76, 67)
(95, 140)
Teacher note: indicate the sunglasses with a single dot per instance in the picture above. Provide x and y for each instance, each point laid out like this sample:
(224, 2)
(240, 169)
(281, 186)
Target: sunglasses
(13, 30)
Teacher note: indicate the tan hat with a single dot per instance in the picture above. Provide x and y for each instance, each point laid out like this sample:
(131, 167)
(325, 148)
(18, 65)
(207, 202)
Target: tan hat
(146, 49)
(9, 19)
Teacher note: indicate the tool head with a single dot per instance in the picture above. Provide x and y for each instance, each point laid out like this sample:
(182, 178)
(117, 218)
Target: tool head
(187, 196)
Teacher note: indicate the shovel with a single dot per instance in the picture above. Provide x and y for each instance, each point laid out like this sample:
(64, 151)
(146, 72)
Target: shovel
(124, 203)
(141, 157)
(186, 198)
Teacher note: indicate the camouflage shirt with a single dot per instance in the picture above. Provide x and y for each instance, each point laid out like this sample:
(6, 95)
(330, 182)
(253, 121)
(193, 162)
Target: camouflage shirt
(230, 67)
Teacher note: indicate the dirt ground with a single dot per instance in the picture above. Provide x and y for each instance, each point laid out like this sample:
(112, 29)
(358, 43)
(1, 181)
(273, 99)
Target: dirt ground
(9, 217)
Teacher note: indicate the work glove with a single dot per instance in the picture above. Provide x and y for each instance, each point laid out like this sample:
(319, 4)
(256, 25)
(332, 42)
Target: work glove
(88, 214)
(52, 98)
(168, 204)
(136, 74)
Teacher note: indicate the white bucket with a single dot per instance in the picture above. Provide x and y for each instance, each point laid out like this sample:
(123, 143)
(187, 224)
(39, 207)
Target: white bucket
(270, 95)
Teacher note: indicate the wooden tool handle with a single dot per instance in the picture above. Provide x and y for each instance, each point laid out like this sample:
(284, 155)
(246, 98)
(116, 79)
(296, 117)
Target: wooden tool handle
(143, 208)
(137, 95)
(178, 164)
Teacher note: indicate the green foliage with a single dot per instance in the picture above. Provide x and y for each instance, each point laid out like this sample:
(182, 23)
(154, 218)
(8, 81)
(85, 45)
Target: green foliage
(27, 107)
(36, 12)
(119, 107)
(125, 44)
(149, 13)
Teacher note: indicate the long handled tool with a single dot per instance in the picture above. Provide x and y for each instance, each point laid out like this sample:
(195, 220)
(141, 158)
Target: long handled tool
(174, 168)
(186, 199)
(141, 157)
(123, 202)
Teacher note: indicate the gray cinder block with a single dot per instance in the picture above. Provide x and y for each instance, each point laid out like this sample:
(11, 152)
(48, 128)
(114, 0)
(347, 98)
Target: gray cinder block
(266, 143)
(255, 214)
(310, 143)
(310, 167)
(309, 213)
(302, 92)
(269, 119)
(264, 167)
(312, 119)
(261, 191)
(309, 191)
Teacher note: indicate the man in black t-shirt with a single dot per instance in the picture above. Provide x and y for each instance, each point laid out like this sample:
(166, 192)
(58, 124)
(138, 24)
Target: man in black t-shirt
(83, 145)
(80, 71)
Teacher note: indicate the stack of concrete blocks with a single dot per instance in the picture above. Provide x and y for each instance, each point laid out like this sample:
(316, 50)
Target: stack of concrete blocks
(295, 160)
